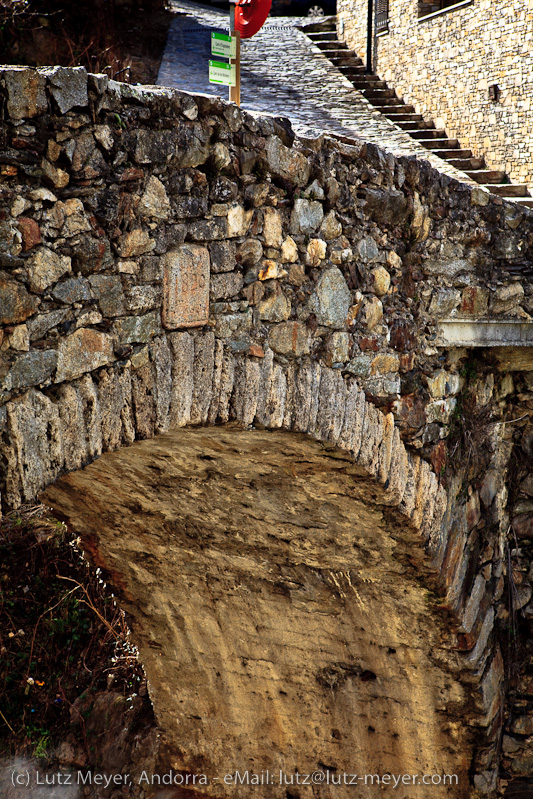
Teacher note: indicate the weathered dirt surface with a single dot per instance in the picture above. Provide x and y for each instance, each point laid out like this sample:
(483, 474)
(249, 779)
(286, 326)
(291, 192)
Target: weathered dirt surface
(279, 611)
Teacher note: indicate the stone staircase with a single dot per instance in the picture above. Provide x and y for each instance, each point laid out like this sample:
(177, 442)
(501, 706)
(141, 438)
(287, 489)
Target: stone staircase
(384, 99)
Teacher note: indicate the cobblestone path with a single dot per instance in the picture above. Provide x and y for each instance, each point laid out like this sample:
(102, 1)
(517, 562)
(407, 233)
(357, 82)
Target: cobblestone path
(285, 74)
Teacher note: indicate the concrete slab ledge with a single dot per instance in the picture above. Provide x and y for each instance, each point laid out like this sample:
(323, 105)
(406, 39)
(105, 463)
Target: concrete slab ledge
(484, 333)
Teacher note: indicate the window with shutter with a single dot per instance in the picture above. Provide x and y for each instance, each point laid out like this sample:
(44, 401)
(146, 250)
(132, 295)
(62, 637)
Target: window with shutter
(382, 16)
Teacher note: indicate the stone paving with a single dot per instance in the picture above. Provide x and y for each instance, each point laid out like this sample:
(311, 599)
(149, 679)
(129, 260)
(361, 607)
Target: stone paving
(283, 73)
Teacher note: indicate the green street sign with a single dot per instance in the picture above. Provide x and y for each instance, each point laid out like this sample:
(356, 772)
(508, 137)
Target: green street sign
(223, 45)
(219, 72)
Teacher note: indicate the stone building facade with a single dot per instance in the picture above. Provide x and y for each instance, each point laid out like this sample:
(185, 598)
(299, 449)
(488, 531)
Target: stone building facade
(445, 58)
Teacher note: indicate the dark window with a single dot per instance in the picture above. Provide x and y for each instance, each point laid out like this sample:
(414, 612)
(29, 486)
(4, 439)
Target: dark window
(430, 6)
(382, 16)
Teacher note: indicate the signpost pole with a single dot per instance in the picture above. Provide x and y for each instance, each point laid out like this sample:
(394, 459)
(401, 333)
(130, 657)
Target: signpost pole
(235, 91)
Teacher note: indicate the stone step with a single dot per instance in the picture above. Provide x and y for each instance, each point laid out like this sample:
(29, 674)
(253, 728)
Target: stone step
(446, 154)
(374, 94)
(327, 36)
(352, 75)
(487, 175)
(401, 117)
(467, 165)
(398, 109)
(364, 81)
(331, 45)
(334, 55)
(384, 99)
(356, 68)
(381, 101)
(342, 55)
(325, 25)
(439, 144)
(509, 190)
(347, 61)
(410, 125)
(428, 133)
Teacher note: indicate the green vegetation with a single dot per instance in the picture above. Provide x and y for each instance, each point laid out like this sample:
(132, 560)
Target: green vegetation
(61, 633)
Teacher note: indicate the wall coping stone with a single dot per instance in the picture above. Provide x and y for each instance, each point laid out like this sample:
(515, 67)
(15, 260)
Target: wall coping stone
(484, 333)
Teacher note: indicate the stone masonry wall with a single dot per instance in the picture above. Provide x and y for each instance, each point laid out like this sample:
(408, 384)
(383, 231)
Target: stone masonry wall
(315, 248)
(321, 258)
(444, 65)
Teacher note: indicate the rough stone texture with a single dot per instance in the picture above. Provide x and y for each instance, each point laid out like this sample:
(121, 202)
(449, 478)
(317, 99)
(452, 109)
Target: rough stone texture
(108, 290)
(182, 379)
(381, 280)
(372, 313)
(154, 202)
(26, 92)
(285, 163)
(506, 298)
(245, 246)
(138, 329)
(72, 290)
(316, 251)
(275, 307)
(31, 369)
(16, 304)
(34, 455)
(290, 338)
(306, 216)
(46, 267)
(226, 285)
(112, 397)
(186, 281)
(204, 352)
(73, 429)
(143, 400)
(83, 351)
(223, 256)
(68, 86)
(137, 242)
(272, 227)
(31, 234)
(58, 177)
(330, 228)
(289, 251)
(332, 299)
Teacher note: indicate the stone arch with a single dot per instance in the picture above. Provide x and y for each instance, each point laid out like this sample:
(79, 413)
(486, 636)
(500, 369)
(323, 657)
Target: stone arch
(395, 262)
(193, 379)
(191, 382)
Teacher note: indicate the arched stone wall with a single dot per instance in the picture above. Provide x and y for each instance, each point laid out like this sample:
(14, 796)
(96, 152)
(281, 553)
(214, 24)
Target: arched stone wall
(333, 268)
(201, 383)
(198, 382)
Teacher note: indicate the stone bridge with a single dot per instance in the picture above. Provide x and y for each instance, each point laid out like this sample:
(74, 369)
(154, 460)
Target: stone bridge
(281, 389)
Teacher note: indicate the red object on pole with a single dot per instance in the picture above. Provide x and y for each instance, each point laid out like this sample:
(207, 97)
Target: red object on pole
(250, 16)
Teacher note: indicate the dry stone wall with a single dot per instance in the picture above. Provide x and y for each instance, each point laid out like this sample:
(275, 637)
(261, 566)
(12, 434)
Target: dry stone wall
(444, 65)
(315, 248)
(169, 260)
